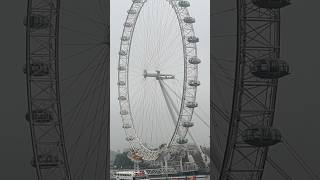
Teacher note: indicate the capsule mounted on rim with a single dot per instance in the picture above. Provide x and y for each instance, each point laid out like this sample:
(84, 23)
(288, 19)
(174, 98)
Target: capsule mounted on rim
(269, 68)
(194, 83)
(122, 68)
(121, 83)
(182, 140)
(193, 39)
(137, 1)
(124, 112)
(189, 20)
(191, 104)
(125, 38)
(37, 69)
(184, 4)
(40, 116)
(122, 98)
(187, 124)
(47, 161)
(194, 60)
(271, 4)
(37, 21)
(261, 136)
(131, 11)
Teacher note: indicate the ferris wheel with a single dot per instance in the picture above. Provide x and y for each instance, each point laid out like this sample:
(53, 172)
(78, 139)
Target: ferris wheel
(67, 72)
(245, 70)
(157, 76)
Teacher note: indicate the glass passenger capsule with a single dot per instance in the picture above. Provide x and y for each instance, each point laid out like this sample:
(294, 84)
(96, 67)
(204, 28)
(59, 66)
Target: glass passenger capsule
(132, 11)
(122, 98)
(126, 126)
(194, 60)
(191, 104)
(125, 38)
(269, 68)
(47, 161)
(37, 21)
(137, 1)
(193, 39)
(184, 4)
(261, 136)
(122, 68)
(38, 69)
(271, 4)
(40, 116)
(189, 20)
(182, 141)
(187, 124)
(121, 83)
(124, 112)
(194, 83)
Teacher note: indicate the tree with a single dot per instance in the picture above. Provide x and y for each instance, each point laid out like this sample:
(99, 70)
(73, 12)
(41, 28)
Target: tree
(122, 161)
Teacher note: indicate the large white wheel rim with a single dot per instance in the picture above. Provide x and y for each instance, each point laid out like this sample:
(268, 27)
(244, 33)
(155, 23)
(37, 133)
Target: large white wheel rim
(190, 74)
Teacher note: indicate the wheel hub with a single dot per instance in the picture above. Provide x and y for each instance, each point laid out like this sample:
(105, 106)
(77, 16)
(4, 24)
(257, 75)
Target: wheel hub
(157, 75)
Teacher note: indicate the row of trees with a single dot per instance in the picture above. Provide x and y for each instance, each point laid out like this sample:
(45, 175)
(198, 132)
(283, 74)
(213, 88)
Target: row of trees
(121, 160)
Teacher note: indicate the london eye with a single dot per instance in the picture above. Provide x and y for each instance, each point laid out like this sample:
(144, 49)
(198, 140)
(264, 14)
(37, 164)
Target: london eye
(244, 86)
(67, 72)
(157, 87)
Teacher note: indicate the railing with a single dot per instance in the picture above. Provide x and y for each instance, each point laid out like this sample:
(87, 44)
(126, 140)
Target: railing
(160, 171)
(187, 167)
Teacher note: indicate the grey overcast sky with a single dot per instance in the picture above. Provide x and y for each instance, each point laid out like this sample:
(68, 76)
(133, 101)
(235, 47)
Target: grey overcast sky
(200, 9)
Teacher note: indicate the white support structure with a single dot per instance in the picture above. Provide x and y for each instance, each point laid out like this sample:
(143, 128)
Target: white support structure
(203, 155)
(170, 106)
